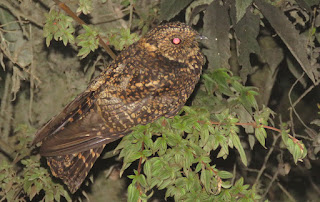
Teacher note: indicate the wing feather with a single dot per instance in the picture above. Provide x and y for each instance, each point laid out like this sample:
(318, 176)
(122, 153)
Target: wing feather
(73, 168)
(80, 105)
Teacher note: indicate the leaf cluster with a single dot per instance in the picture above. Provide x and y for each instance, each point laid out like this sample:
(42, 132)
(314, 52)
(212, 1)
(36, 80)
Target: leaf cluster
(58, 27)
(121, 38)
(176, 154)
(29, 180)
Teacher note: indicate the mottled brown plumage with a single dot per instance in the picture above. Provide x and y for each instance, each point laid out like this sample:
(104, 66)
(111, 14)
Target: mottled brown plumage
(151, 78)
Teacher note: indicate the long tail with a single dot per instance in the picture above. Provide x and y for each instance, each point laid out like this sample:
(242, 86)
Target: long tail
(74, 168)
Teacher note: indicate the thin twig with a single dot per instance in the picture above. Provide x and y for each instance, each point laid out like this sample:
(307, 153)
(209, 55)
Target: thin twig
(7, 53)
(109, 171)
(21, 156)
(274, 177)
(18, 13)
(250, 124)
(6, 149)
(314, 186)
(64, 7)
(32, 70)
(139, 170)
(234, 173)
(140, 161)
(283, 189)
(295, 140)
(118, 13)
(292, 108)
(291, 198)
(304, 137)
(23, 29)
(264, 165)
(305, 93)
(12, 22)
(6, 109)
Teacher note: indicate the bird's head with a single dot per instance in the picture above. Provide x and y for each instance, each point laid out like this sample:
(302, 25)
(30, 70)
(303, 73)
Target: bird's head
(175, 41)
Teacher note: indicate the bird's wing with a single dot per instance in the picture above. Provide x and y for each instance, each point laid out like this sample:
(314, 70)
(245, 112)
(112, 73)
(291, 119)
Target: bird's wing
(80, 105)
(98, 117)
(89, 131)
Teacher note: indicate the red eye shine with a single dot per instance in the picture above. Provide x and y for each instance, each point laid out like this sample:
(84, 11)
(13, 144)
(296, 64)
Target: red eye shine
(176, 41)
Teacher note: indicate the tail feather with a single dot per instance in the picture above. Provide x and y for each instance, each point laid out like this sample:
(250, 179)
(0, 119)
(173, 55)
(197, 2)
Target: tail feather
(74, 168)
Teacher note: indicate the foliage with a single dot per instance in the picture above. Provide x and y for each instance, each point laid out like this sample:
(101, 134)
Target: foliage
(120, 38)
(177, 153)
(33, 179)
(59, 27)
(187, 156)
(88, 41)
(85, 7)
(29, 183)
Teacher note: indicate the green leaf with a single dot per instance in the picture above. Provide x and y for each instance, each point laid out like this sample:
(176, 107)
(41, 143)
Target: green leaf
(206, 159)
(222, 140)
(157, 144)
(148, 142)
(146, 152)
(198, 168)
(49, 197)
(85, 6)
(226, 184)
(248, 100)
(224, 174)
(122, 40)
(239, 183)
(142, 180)
(48, 39)
(261, 135)
(88, 41)
(165, 184)
(296, 153)
(27, 186)
(33, 177)
(133, 193)
(252, 141)
(153, 182)
(205, 178)
(173, 139)
(157, 167)
(295, 146)
(147, 168)
(236, 142)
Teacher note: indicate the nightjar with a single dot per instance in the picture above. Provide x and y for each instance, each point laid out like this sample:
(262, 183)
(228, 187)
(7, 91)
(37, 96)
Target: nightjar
(151, 78)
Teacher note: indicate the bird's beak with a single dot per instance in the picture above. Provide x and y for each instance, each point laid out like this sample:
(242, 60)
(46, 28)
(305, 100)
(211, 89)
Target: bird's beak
(201, 37)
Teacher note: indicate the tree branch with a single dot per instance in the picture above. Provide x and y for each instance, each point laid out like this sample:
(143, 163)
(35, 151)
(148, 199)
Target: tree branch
(64, 7)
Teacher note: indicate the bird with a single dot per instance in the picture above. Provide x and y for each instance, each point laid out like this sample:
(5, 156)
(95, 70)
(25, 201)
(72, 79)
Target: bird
(151, 78)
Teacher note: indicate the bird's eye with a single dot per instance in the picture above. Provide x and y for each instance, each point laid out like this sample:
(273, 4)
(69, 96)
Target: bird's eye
(176, 41)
